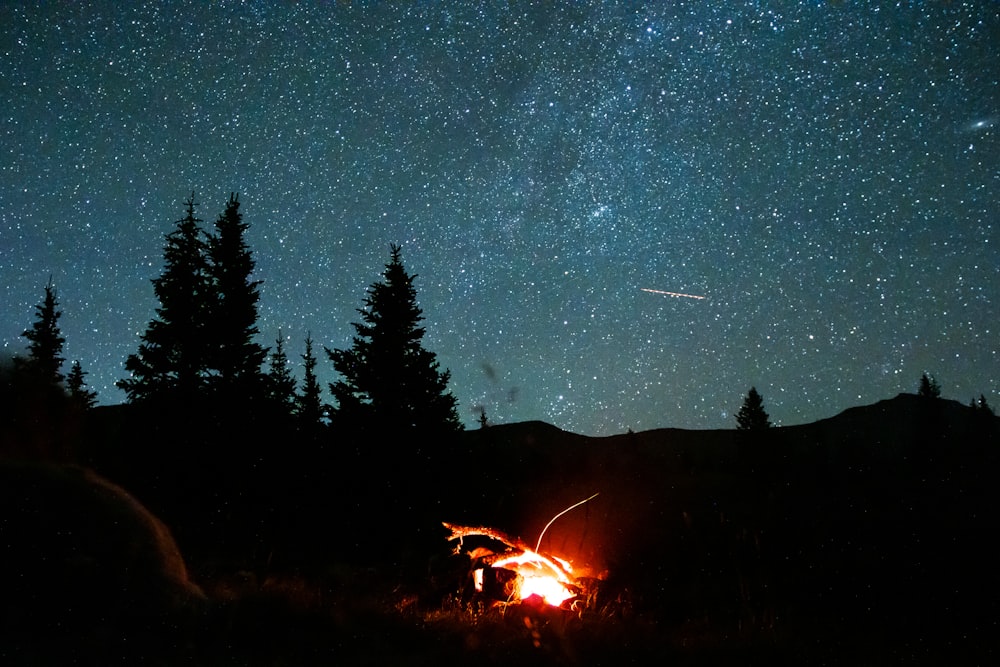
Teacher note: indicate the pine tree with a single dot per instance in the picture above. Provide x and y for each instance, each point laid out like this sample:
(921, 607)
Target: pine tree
(310, 402)
(77, 387)
(172, 358)
(235, 360)
(388, 380)
(982, 406)
(984, 427)
(45, 342)
(281, 382)
(752, 416)
(928, 387)
(36, 406)
(757, 458)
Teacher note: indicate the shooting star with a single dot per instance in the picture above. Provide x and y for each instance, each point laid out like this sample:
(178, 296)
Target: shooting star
(675, 294)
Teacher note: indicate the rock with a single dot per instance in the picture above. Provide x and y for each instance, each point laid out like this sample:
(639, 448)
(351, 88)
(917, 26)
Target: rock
(79, 553)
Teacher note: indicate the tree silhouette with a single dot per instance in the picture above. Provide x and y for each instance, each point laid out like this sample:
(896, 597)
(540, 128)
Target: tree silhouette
(172, 357)
(984, 428)
(38, 417)
(281, 389)
(752, 416)
(45, 342)
(931, 429)
(235, 360)
(77, 387)
(310, 401)
(928, 387)
(388, 380)
(757, 457)
(982, 406)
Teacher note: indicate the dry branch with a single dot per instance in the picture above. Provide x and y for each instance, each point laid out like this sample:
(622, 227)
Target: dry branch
(515, 543)
(458, 532)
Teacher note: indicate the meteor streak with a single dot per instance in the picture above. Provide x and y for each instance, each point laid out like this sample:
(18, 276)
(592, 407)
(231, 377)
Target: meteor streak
(676, 294)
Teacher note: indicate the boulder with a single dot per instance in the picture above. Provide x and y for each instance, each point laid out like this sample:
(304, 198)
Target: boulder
(79, 553)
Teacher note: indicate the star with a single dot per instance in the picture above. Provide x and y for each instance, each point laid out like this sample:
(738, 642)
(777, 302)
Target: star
(537, 164)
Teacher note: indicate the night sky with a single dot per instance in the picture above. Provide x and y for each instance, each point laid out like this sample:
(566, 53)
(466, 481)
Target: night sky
(824, 174)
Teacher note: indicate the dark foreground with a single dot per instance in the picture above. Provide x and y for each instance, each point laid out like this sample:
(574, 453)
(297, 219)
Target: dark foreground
(349, 620)
(861, 540)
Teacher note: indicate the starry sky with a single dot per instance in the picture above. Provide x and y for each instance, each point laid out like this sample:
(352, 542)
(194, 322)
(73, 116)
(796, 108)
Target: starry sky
(824, 174)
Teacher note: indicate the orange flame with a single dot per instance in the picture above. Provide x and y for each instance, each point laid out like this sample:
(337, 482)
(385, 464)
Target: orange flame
(539, 577)
(548, 577)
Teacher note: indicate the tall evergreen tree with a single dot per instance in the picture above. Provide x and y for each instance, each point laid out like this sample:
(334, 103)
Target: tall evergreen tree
(310, 401)
(281, 382)
(752, 416)
(45, 342)
(388, 380)
(235, 358)
(77, 387)
(172, 358)
(35, 404)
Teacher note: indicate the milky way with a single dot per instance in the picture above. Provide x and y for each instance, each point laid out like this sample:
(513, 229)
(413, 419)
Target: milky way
(825, 174)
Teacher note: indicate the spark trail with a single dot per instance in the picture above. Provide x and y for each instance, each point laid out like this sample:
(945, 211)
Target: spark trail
(675, 294)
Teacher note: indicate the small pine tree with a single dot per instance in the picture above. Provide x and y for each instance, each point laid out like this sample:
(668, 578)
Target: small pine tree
(77, 386)
(752, 416)
(310, 402)
(45, 342)
(281, 382)
(982, 406)
(983, 420)
(928, 387)
(389, 381)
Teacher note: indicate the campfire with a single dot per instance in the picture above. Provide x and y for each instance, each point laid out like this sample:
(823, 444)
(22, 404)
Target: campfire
(520, 573)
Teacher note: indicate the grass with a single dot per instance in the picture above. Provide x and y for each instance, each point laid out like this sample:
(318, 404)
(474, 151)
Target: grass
(350, 616)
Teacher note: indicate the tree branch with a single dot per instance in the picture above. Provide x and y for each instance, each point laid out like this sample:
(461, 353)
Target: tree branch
(515, 543)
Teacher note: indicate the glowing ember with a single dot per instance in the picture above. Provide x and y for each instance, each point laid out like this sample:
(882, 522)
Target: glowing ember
(537, 577)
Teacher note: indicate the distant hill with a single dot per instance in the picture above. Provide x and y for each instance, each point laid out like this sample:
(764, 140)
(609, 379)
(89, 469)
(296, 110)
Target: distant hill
(894, 428)
(889, 421)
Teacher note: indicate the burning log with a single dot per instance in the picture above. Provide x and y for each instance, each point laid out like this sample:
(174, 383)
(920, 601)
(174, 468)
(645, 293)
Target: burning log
(521, 572)
(518, 573)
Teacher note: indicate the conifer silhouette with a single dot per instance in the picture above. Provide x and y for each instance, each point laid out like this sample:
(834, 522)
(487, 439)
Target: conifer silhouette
(45, 342)
(752, 416)
(310, 402)
(235, 359)
(983, 406)
(77, 387)
(36, 405)
(928, 387)
(281, 389)
(172, 357)
(389, 381)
